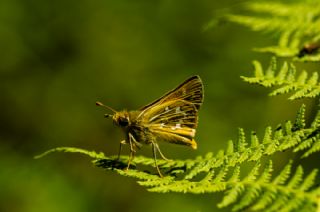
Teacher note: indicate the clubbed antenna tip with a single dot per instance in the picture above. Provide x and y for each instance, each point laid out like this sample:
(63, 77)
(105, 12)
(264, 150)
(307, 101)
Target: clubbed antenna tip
(99, 104)
(107, 107)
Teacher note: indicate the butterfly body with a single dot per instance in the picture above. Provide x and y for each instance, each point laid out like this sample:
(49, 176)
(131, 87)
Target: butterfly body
(172, 118)
(128, 122)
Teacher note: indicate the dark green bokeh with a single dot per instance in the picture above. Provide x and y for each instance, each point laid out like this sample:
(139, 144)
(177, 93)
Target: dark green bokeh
(59, 57)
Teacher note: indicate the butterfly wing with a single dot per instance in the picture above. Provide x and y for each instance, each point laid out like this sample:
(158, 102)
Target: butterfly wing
(190, 90)
(173, 121)
(174, 117)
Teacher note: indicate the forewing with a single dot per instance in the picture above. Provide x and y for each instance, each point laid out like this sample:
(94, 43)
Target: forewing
(190, 90)
(174, 121)
(174, 117)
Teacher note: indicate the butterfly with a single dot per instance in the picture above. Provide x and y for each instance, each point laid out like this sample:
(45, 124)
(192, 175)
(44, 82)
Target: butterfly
(172, 118)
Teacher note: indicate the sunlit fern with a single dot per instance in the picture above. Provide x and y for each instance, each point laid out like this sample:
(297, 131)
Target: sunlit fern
(257, 190)
(294, 24)
(286, 79)
(220, 172)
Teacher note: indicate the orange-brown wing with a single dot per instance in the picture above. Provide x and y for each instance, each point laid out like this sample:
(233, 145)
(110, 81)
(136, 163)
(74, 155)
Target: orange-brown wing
(190, 90)
(173, 121)
(174, 117)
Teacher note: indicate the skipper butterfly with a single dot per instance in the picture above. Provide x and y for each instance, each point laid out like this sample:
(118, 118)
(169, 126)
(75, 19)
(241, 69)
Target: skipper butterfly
(172, 118)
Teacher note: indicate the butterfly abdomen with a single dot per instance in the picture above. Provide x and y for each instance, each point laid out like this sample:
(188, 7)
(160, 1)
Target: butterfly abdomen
(142, 134)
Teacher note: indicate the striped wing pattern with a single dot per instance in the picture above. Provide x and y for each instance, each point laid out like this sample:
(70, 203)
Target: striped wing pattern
(174, 117)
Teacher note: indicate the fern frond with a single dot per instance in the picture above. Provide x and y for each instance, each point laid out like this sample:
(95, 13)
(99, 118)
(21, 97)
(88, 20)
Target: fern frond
(91, 154)
(295, 136)
(258, 190)
(294, 24)
(286, 136)
(301, 86)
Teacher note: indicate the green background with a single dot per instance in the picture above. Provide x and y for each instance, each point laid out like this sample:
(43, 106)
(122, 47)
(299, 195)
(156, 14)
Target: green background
(59, 57)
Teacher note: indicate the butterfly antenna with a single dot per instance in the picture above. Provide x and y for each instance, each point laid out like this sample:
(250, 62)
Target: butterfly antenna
(107, 107)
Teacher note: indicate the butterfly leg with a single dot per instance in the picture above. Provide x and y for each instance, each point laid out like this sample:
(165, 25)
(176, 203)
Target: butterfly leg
(130, 159)
(120, 148)
(154, 151)
(132, 150)
(161, 154)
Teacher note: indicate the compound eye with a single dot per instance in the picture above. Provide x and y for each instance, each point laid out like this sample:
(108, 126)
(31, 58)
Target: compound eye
(123, 122)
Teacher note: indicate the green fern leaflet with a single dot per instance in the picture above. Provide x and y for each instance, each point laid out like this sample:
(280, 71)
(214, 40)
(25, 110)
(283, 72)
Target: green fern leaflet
(285, 78)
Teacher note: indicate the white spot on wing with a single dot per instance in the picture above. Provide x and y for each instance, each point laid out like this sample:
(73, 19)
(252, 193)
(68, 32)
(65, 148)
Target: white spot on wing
(178, 126)
(162, 125)
(193, 132)
(166, 110)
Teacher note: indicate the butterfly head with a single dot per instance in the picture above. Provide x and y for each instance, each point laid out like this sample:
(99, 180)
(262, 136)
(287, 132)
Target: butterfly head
(120, 119)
